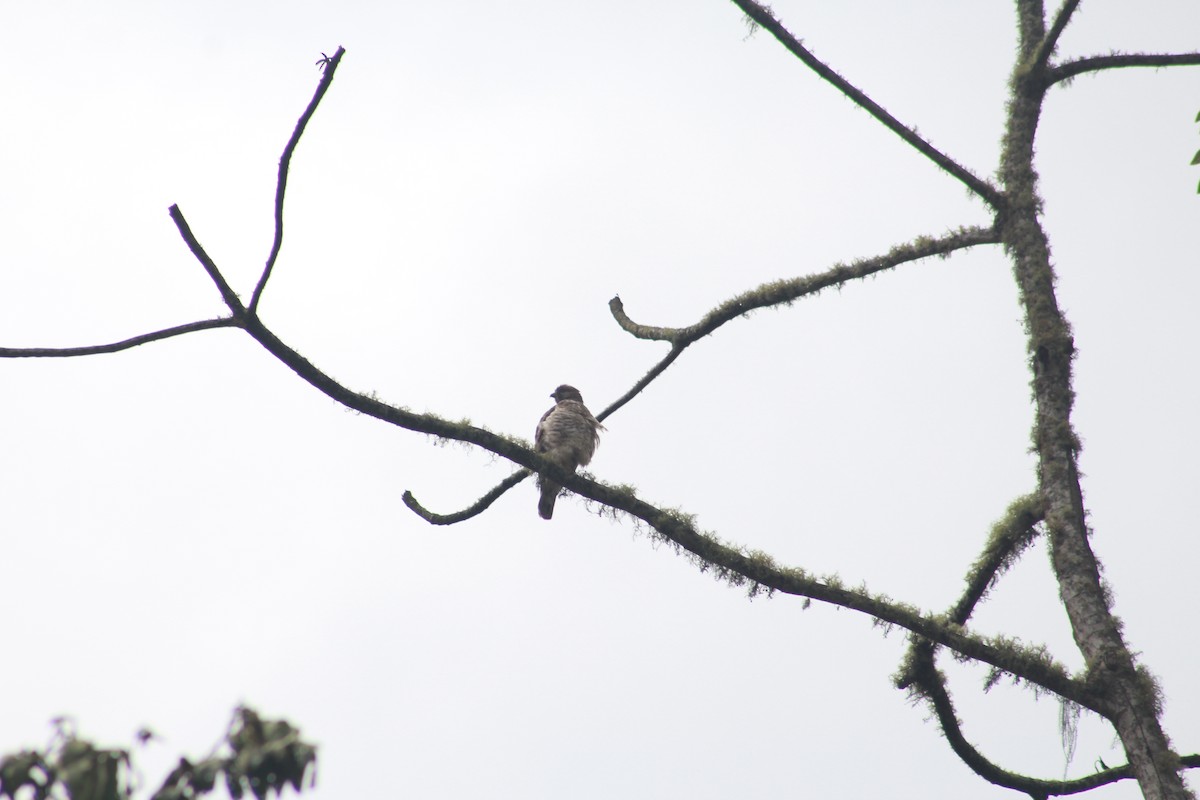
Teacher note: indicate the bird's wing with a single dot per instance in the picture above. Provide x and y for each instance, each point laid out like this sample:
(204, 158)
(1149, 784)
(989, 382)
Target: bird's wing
(539, 435)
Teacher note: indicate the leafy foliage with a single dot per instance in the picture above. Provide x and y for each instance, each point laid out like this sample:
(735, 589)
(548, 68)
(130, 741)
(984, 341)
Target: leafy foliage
(256, 756)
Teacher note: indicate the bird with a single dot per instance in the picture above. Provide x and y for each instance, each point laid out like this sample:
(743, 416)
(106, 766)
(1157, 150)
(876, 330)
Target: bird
(568, 435)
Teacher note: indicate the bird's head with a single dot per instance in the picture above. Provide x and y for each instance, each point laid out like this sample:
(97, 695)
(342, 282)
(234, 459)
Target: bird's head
(566, 392)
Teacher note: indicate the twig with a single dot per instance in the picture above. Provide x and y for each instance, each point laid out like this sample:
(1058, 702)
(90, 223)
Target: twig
(116, 347)
(227, 294)
(473, 510)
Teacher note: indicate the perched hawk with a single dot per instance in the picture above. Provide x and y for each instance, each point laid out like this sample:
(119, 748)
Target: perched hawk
(567, 434)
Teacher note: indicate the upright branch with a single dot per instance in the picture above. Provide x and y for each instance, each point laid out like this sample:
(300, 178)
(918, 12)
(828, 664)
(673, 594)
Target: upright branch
(329, 67)
(1128, 695)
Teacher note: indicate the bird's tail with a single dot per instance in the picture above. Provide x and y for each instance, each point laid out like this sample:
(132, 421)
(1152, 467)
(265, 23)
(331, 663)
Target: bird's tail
(546, 503)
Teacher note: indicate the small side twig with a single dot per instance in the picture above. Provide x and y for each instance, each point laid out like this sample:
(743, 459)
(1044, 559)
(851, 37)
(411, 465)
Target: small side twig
(227, 294)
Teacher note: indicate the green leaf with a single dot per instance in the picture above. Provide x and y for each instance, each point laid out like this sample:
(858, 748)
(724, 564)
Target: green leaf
(1196, 158)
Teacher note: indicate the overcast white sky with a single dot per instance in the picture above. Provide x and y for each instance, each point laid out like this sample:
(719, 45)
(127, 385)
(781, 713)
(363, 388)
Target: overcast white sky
(187, 526)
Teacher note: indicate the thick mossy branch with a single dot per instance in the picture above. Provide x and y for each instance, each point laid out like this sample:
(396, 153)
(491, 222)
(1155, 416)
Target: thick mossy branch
(1112, 677)
(784, 292)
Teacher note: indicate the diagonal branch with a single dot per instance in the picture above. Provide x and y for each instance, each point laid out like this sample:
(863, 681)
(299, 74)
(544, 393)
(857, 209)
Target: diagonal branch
(227, 294)
(329, 66)
(645, 380)
(1050, 41)
(763, 16)
(116, 347)
(1008, 539)
(1069, 69)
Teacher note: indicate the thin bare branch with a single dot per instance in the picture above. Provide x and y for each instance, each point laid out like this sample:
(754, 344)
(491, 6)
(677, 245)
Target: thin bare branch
(763, 16)
(329, 67)
(1050, 41)
(116, 347)
(473, 510)
(642, 382)
(1069, 69)
(227, 294)
(788, 291)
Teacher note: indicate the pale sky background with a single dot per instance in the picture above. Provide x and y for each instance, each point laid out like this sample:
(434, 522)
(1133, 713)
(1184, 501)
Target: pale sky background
(187, 526)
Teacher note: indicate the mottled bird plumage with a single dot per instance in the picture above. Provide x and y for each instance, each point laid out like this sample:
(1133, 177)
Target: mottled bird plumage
(568, 435)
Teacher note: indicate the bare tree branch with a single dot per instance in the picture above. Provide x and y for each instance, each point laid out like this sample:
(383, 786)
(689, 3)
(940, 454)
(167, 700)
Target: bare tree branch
(329, 67)
(643, 381)
(763, 16)
(1069, 69)
(116, 347)
(227, 294)
(475, 509)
